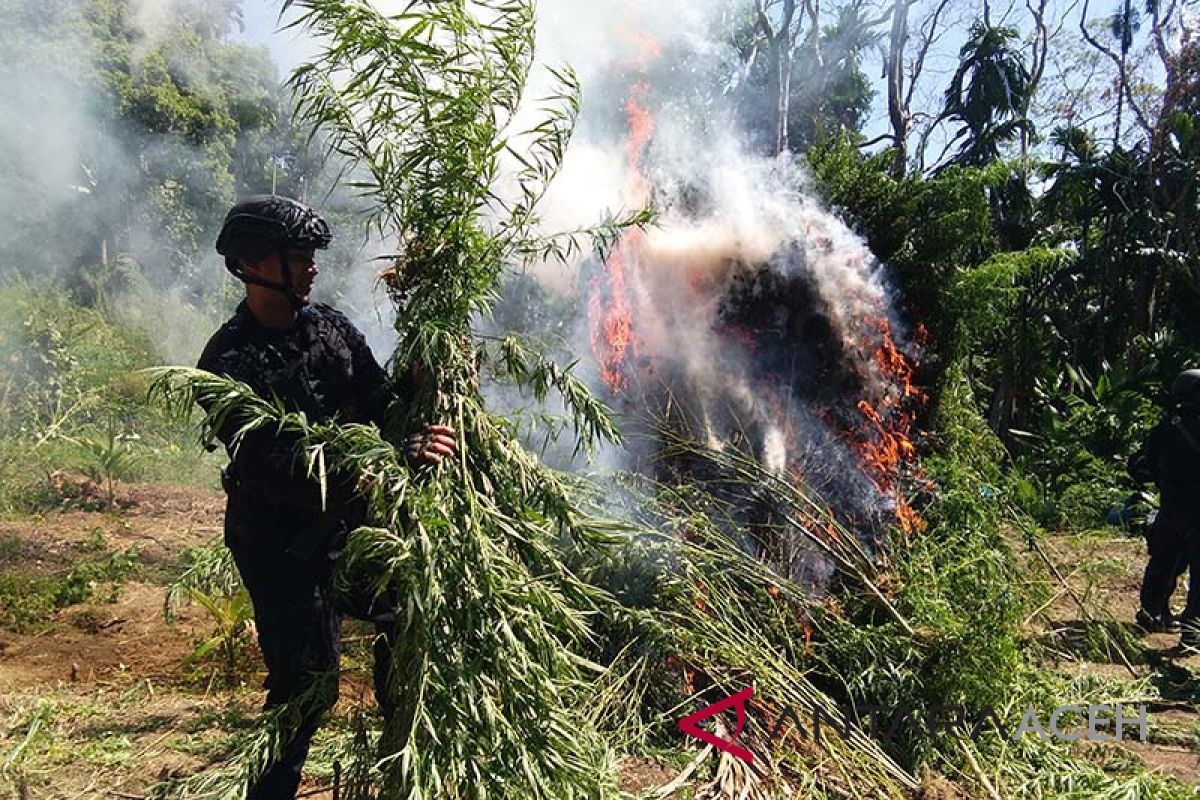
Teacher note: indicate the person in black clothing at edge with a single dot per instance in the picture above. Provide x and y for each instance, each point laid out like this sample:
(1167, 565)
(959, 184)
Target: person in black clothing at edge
(1170, 457)
(284, 540)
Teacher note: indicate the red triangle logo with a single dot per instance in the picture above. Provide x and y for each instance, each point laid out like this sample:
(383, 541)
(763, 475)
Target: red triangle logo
(691, 724)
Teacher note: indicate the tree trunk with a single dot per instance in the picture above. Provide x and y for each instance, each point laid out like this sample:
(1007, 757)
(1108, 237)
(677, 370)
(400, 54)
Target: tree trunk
(1041, 46)
(784, 63)
(897, 110)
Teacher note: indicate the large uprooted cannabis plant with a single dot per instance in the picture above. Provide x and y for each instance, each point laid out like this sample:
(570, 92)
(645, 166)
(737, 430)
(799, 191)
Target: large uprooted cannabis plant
(418, 105)
(491, 674)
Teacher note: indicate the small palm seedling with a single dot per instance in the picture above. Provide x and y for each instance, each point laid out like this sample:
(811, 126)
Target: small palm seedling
(210, 580)
(109, 459)
(233, 618)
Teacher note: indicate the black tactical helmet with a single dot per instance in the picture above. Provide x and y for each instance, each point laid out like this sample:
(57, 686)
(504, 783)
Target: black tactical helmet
(1186, 389)
(262, 224)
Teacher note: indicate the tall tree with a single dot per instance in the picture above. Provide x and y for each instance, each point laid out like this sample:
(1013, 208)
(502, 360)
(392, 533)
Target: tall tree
(1121, 26)
(988, 95)
(1039, 50)
(899, 114)
(827, 91)
(780, 36)
(831, 95)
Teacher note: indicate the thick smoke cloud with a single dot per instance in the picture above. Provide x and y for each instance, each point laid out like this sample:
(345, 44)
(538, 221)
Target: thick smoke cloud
(120, 212)
(750, 308)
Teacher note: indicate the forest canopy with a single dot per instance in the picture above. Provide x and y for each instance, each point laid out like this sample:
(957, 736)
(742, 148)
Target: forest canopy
(825, 314)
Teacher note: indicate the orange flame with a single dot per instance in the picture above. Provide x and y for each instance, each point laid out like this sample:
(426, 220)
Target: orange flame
(609, 306)
(884, 444)
(641, 128)
(612, 325)
(648, 48)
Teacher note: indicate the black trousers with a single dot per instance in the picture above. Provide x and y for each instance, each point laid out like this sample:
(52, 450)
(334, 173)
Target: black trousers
(1174, 544)
(299, 622)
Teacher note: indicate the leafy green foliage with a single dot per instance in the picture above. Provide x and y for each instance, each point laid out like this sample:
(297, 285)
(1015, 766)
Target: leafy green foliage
(928, 231)
(70, 398)
(529, 370)
(163, 120)
(29, 598)
(957, 585)
(988, 94)
(210, 580)
(1082, 443)
(1091, 276)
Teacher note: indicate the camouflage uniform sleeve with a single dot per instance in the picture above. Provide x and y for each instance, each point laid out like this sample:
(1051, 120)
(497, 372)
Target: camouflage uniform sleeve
(265, 464)
(372, 385)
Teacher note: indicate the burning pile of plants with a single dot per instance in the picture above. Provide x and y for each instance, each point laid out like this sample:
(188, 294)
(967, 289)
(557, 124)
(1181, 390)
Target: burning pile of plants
(772, 450)
(751, 321)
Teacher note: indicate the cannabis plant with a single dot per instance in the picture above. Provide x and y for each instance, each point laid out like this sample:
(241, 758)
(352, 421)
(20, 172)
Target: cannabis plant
(108, 459)
(487, 671)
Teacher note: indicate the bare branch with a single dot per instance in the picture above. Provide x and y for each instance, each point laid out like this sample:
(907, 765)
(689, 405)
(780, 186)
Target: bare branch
(782, 42)
(882, 18)
(1158, 23)
(928, 38)
(1040, 46)
(813, 8)
(897, 109)
(763, 21)
(1122, 71)
(1040, 43)
(881, 137)
(785, 25)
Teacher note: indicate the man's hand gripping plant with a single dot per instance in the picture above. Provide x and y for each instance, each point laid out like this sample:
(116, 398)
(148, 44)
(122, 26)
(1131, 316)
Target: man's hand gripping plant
(486, 678)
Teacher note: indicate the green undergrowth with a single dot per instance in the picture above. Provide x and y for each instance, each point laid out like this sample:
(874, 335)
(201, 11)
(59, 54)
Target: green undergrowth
(72, 400)
(968, 586)
(30, 595)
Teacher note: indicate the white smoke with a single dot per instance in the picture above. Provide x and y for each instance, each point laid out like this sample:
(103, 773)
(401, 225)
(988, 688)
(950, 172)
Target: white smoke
(727, 215)
(749, 213)
(72, 160)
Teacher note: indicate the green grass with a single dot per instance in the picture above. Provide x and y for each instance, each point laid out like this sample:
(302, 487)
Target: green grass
(110, 733)
(28, 599)
(72, 378)
(12, 548)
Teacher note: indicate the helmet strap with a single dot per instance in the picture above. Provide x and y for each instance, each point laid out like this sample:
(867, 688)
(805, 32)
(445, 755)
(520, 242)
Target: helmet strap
(244, 278)
(283, 286)
(286, 272)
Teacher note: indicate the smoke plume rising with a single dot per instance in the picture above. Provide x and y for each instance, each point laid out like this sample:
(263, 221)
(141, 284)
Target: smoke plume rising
(748, 315)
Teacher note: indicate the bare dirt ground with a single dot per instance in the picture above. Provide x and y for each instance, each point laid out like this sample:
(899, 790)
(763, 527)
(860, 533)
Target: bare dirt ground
(100, 699)
(1088, 634)
(96, 700)
(95, 641)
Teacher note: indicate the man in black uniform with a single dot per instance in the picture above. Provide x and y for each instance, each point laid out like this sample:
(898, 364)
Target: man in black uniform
(285, 539)
(1170, 458)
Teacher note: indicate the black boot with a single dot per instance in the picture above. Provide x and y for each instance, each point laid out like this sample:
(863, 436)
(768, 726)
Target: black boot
(1155, 623)
(1190, 640)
